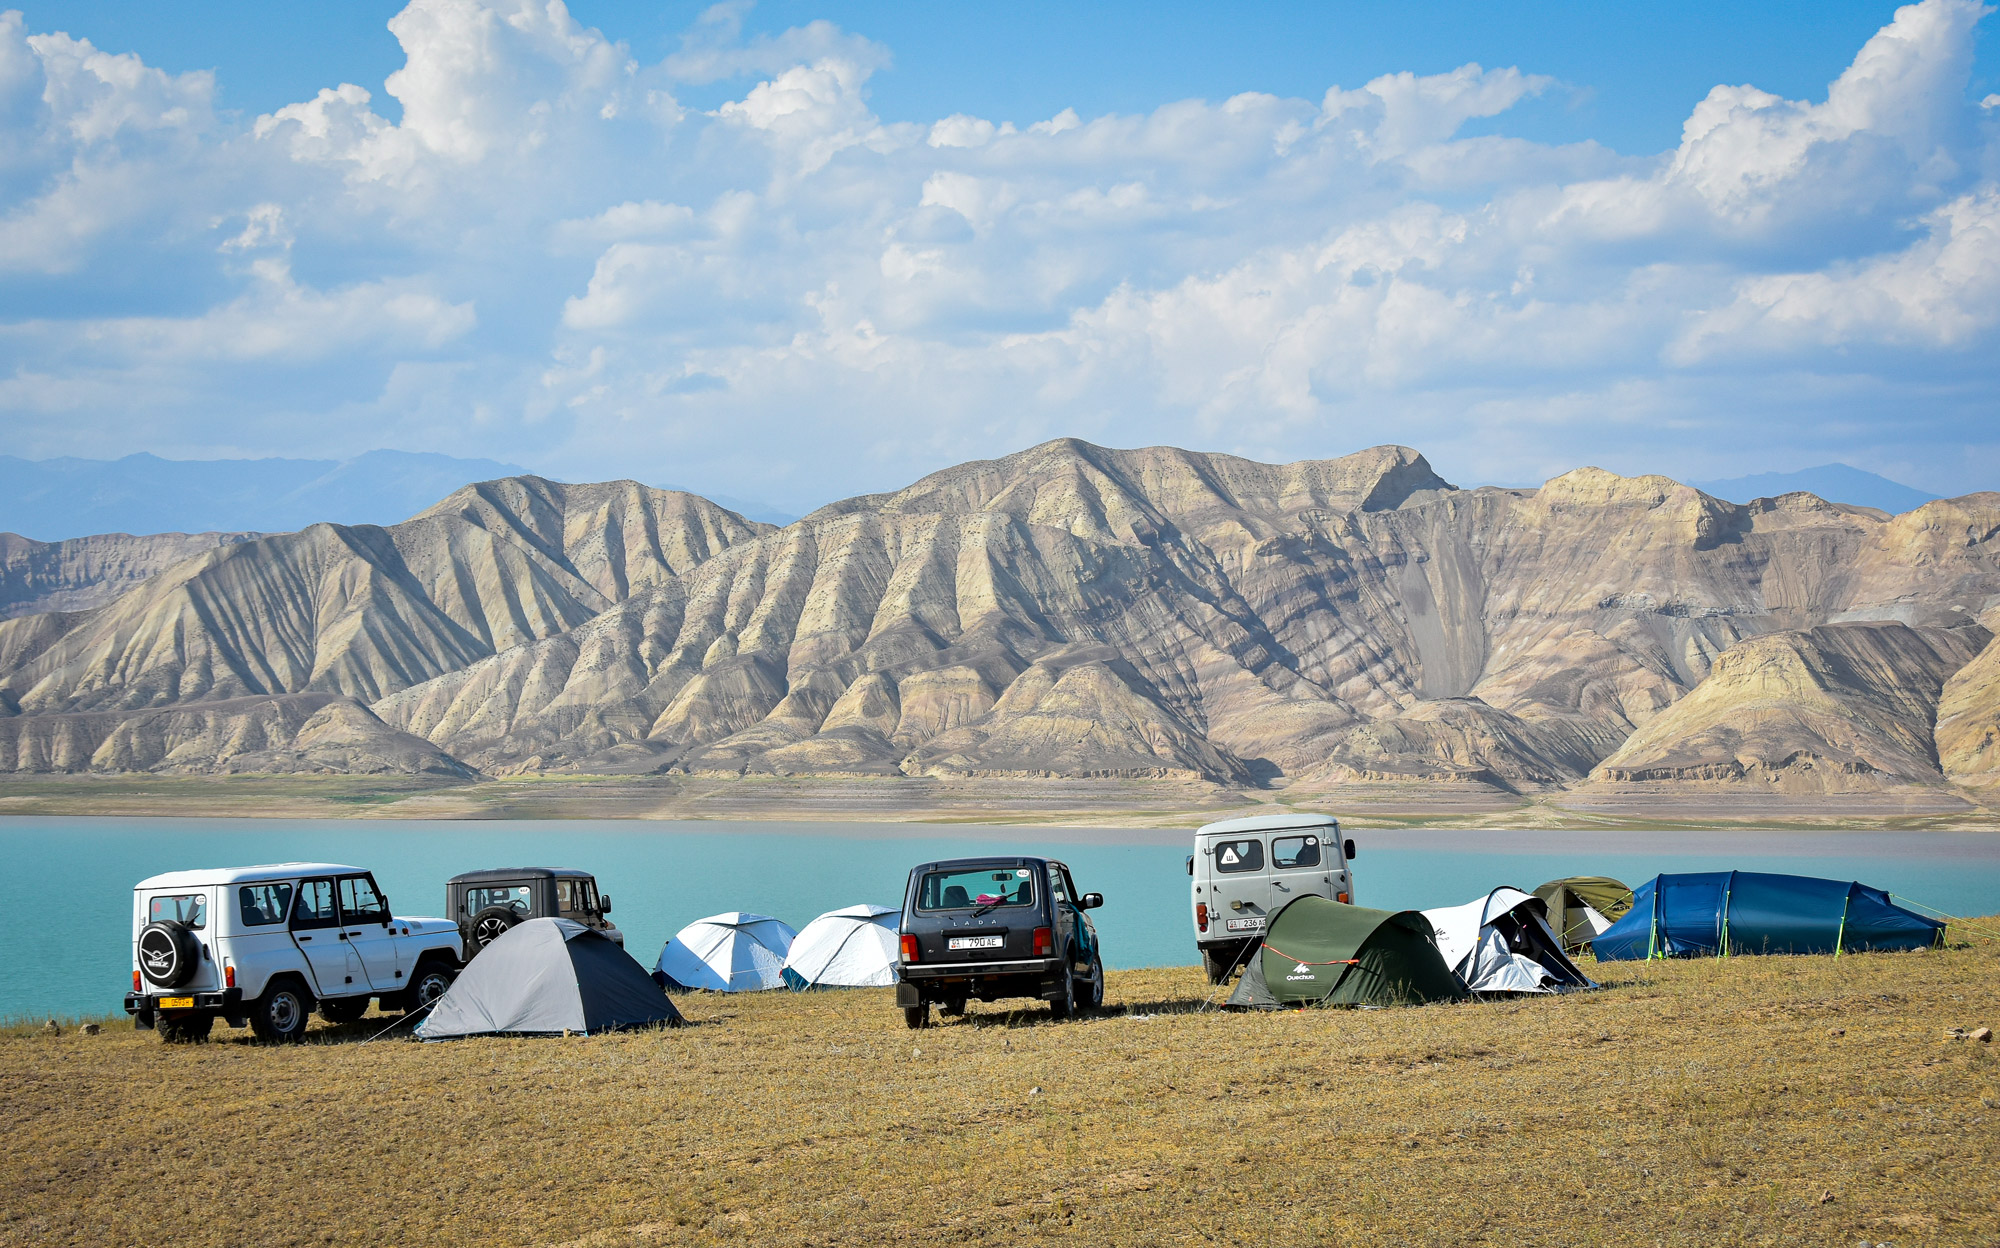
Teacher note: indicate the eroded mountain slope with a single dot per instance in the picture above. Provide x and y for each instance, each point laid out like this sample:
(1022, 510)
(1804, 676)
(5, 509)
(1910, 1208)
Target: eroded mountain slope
(85, 572)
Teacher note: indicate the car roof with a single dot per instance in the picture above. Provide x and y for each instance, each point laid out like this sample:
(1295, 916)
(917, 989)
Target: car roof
(517, 873)
(990, 860)
(244, 875)
(1267, 823)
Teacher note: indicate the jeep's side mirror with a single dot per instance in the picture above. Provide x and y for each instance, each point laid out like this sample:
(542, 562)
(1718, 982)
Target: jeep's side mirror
(1190, 864)
(1347, 850)
(604, 903)
(1091, 901)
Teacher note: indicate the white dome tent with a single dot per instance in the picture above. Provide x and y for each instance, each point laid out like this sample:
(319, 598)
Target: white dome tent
(851, 948)
(1502, 943)
(732, 952)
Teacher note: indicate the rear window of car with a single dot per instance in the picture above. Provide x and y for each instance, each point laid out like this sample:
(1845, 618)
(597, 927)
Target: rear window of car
(264, 904)
(188, 908)
(973, 887)
(1289, 852)
(1244, 855)
(515, 897)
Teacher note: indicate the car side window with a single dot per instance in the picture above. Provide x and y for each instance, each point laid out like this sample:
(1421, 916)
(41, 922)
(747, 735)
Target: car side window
(1068, 884)
(264, 904)
(1289, 852)
(359, 902)
(315, 906)
(1056, 889)
(1244, 855)
(565, 897)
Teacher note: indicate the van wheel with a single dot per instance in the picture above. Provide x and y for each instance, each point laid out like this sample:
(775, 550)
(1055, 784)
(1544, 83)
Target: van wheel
(1218, 970)
(281, 1014)
(917, 1017)
(343, 1010)
(185, 1029)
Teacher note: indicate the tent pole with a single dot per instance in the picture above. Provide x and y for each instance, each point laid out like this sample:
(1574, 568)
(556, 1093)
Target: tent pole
(1653, 936)
(1728, 890)
(1840, 938)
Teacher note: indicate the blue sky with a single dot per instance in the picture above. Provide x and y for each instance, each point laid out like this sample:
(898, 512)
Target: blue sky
(795, 251)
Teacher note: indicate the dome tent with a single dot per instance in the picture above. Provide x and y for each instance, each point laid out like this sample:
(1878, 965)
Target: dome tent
(1581, 907)
(544, 977)
(1501, 943)
(1319, 951)
(732, 952)
(851, 948)
(1720, 913)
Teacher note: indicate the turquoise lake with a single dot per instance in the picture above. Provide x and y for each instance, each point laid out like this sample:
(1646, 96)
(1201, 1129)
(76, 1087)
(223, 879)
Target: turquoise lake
(65, 947)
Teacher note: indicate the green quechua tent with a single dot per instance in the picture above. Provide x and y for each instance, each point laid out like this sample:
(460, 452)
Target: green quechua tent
(1583, 906)
(1322, 952)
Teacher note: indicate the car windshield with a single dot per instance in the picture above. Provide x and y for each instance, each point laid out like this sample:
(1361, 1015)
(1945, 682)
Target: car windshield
(189, 908)
(976, 887)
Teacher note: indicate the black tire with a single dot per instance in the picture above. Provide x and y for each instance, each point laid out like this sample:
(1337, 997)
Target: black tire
(281, 1014)
(917, 1017)
(952, 1007)
(1064, 1006)
(430, 982)
(184, 1028)
(1092, 996)
(1217, 966)
(168, 952)
(488, 926)
(343, 1010)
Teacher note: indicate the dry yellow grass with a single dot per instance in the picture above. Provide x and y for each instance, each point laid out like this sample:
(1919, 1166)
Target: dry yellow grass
(1758, 1100)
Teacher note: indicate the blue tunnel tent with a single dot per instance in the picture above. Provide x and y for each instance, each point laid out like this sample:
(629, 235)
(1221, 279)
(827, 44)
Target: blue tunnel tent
(1723, 912)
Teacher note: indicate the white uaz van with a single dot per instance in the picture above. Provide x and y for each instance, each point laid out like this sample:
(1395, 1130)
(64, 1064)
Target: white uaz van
(266, 945)
(1245, 869)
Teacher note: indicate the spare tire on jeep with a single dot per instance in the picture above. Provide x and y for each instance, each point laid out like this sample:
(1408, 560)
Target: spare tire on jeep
(168, 952)
(490, 925)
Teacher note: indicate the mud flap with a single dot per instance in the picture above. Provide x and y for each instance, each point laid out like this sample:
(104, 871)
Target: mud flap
(907, 995)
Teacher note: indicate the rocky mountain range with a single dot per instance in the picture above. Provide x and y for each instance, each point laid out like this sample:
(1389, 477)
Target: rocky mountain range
(1067, 611)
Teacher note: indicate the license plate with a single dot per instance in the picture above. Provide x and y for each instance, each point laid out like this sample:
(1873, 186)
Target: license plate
(976, 942)
(176, 1003)
(1243, 925)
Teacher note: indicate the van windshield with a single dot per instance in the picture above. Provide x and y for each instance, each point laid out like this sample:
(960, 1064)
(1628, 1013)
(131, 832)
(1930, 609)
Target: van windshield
(972, 887)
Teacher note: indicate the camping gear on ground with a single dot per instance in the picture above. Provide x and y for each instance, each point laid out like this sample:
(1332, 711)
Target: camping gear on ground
(733, 952)
(1723, 912)
(850, 948)
(1583, 906)
(1501, 943)
(1319, 951)
(545, 977)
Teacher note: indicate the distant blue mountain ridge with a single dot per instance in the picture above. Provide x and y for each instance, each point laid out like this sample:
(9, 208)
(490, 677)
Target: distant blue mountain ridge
(53, 499)
(1836, 483)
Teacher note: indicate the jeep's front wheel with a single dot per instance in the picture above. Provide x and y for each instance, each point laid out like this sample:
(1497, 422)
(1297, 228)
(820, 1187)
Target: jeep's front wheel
(281, 1014)
(426, 986)
(184, 1028)
(917, 1017)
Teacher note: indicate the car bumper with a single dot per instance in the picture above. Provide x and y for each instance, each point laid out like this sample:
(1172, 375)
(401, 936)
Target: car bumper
(146, 1005)
(963, 970)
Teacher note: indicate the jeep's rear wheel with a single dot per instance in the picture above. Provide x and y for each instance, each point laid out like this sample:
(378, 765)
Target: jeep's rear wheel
(491, 924)
(281, 1014)
(426, 986)
(917, 1017)
(342, 1010)
(1216, 965)
(952, 1007)
(184, 1028)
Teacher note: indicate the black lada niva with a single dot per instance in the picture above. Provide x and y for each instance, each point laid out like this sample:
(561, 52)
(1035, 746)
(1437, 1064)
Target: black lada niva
(989, 928)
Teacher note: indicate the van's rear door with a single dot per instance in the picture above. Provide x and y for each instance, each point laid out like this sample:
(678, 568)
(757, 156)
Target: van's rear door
(1239, 872)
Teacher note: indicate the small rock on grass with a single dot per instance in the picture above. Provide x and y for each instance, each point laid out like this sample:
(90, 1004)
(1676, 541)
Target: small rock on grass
(1838, 1031)
(90, 1029)
(50, 1029)
(1982, 1034)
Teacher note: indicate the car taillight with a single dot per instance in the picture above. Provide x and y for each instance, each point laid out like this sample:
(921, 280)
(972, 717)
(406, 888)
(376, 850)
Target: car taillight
(911, 951)
(228, 977)
(135, 981)
(1340, 896)
(1201, 916)
(1045, 941)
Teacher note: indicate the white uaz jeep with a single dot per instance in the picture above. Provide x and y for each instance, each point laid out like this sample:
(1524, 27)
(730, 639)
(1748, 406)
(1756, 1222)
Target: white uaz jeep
(265, 945)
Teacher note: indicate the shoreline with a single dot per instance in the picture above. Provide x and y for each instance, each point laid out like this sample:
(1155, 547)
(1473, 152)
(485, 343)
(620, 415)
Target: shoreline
(986, 801)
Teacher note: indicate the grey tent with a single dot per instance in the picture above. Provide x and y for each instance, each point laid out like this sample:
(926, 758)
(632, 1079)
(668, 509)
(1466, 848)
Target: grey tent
(547, 976)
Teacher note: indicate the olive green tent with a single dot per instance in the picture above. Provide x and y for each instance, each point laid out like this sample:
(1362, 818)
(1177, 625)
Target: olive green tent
(1582, 906)
(1324, 952)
